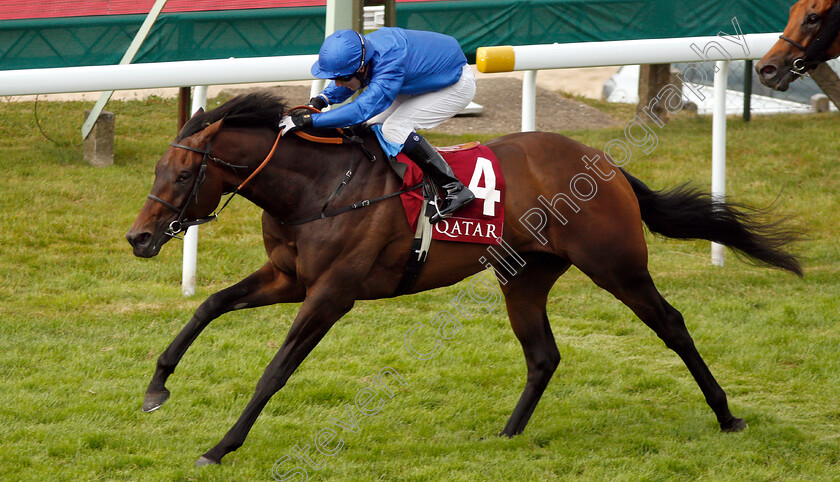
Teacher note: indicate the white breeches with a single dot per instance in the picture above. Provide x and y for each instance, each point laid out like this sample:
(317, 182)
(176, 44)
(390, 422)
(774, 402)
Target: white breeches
(425, 111)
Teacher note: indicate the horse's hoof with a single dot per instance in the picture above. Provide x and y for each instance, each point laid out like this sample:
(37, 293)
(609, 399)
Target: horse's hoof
(154, 400)
(734, 425)
(202, 461)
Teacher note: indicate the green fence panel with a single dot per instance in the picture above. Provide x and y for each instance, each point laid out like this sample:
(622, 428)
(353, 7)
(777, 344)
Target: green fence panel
(75, 41)
(501, 22)
(103, 40)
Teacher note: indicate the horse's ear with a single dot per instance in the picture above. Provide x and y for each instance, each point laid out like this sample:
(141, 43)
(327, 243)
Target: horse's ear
(208, 132)
(199, 111)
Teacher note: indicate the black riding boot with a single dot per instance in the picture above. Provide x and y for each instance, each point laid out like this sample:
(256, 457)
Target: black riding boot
(455, 194)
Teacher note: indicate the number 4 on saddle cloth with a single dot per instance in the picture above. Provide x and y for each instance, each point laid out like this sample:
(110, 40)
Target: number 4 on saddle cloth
(482, 220)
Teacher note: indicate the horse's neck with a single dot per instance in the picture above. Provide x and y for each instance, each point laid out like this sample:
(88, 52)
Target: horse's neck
(302, 176)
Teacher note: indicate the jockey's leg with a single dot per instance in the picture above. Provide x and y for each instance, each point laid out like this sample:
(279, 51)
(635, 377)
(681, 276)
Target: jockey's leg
(426, 111)
(455, 194)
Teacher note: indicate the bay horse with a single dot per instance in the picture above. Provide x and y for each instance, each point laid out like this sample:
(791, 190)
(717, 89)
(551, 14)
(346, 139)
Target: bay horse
(809, 39)
(330, 263)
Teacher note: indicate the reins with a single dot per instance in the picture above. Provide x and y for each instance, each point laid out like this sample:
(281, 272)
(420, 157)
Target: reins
(262, 164)
(180, 225)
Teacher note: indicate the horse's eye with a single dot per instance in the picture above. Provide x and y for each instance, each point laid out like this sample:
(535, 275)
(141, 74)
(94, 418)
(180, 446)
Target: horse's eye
(813, 19)
(183, 177)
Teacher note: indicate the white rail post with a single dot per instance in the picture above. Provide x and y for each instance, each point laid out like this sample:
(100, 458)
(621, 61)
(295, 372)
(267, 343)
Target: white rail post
(719, 147)
(191, 236)
(317, 87)
(340, 15)
(529, 101)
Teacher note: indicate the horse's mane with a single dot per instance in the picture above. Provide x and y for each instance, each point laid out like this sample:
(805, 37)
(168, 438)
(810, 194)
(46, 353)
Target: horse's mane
(259, 109)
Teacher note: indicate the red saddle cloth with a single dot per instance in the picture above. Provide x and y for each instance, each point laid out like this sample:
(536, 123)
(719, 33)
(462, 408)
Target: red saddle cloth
(480, 221)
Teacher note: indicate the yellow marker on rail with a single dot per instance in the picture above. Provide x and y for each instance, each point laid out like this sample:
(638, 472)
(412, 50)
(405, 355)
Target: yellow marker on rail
(495, 59)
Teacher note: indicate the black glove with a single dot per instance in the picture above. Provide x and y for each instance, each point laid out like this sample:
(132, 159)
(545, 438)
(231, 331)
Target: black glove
(318, 102)
(291, 123)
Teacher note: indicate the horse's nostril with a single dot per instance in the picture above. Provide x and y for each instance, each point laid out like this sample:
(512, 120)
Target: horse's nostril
(768, 70)
(138, 239)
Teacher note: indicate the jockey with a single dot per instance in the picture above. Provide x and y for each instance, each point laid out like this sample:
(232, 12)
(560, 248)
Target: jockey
(413, 79)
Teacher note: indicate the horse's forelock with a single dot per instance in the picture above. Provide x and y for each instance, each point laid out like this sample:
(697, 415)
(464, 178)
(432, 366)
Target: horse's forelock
(259, 109)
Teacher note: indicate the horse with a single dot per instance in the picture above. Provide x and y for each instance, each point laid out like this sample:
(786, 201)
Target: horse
(809, 39)
(329, 262)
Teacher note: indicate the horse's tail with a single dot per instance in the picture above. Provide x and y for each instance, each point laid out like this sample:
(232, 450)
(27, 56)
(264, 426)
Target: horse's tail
(686, 213)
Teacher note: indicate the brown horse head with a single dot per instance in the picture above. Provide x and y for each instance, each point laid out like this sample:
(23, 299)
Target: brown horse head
(810, 38)
(182, 191)
(219, 152)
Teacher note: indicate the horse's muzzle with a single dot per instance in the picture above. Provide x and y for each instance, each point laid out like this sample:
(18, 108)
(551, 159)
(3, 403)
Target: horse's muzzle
(774, 75)
(145, 244)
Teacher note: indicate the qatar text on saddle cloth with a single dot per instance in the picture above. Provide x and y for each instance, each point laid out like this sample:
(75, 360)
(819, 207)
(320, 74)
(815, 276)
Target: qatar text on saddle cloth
(482, 220)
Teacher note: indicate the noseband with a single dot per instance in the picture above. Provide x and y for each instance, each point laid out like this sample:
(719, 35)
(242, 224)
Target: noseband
(816, 51)
(798, 66)
(181, 224)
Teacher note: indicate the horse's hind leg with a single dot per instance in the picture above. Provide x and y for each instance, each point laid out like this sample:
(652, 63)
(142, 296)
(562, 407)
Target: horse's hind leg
(525, 296)
(629, 281)
(266, 286)
(675, 335)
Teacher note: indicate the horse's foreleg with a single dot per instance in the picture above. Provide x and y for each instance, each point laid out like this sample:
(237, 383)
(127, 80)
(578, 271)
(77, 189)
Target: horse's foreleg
(319, 312)
(266, 286)
(525, 296)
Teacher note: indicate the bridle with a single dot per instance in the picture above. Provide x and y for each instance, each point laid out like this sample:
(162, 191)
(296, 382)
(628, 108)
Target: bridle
(798, 66)
(816, 51)
(180, 224)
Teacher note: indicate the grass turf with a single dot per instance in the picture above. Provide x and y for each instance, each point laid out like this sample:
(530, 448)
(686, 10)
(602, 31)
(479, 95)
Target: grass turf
(83, 322)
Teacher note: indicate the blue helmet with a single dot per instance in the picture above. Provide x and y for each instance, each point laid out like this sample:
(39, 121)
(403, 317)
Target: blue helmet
(342, 53)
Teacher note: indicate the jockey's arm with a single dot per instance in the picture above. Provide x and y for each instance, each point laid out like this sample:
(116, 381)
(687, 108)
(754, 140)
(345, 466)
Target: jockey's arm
(385, 84)
(335, 94)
